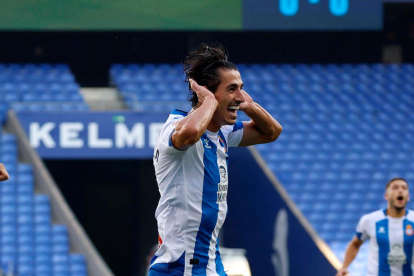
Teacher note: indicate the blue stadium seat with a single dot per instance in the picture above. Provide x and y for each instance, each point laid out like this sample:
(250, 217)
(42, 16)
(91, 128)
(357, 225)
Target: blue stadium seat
(42, 230)
(39, 88)
(60, 248)
(25, 229)
(25, 239)
(42, 219)
(24, 219)
(43, 269)
(60, 229)
(25, 187)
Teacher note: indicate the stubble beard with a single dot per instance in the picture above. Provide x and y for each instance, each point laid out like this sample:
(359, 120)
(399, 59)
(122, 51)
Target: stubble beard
(397, 208)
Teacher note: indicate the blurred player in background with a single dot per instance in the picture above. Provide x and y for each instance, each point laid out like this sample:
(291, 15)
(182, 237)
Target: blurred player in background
(3, 173)
(190, 160)
(391, 234)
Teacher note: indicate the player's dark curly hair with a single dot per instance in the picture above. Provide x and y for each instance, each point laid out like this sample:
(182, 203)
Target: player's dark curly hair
(203, 64)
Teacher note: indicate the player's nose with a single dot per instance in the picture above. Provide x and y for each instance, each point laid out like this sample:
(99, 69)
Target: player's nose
(239, 97)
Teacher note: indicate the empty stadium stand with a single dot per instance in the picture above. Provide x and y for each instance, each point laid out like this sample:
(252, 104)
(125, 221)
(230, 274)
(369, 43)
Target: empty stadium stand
(30, 244)
(347, 130)
(39, 88)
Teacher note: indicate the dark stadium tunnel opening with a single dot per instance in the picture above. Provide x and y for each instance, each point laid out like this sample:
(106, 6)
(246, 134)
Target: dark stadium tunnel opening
(115, 202)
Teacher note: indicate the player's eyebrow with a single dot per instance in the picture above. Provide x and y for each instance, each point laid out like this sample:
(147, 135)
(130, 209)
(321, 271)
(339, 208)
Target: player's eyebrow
(234, 85)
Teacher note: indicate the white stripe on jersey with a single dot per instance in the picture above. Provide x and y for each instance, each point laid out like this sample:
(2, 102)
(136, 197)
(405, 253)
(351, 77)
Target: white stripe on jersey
(211, 267)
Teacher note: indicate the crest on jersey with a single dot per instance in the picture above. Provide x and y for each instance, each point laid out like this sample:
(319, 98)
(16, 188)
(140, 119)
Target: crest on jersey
(381, 230)
(409, 230)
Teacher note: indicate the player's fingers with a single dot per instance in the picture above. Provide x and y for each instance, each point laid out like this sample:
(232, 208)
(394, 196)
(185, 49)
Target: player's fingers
(3, 173)
(197, 88)
(194, 85)
(246, 95)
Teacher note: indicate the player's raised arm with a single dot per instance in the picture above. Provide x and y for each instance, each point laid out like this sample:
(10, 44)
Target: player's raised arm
(189, 130)
(262, 128)
(350, 254)
(3, 173)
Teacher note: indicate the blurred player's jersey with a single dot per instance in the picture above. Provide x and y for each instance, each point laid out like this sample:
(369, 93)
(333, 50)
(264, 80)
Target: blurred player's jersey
(391, 243)
(193, 185)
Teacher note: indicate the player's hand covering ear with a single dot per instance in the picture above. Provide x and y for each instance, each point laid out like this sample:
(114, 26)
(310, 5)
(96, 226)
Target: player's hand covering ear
(202, 92)
(247, 101)
(3, 173)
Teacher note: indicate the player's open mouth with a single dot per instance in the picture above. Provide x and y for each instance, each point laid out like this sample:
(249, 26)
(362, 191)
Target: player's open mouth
(233, 110)
(399, 198)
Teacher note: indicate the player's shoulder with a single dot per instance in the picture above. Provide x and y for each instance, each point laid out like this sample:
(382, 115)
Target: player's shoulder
(175, 116)
(169, 126)
(374, 216)
(232, 128)
(410, 215)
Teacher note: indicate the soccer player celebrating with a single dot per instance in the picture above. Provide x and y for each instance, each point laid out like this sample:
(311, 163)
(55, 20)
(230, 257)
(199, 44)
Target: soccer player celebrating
(190, 160)
(391, 234)
(3, 173)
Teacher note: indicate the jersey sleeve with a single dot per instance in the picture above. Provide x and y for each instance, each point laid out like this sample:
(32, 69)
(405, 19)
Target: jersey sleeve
(233, 134)
(164, 142)
(362, 229)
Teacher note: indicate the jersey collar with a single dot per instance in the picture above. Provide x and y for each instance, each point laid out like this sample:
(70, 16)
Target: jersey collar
(179, 112)
(385, 212)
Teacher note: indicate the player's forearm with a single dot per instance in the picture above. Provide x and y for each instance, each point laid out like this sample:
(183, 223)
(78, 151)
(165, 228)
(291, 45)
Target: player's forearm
(195, 124)
(263, 121)
(350, 255)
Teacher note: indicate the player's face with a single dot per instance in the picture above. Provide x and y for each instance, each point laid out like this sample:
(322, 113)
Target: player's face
(229, 96)
(397, 194)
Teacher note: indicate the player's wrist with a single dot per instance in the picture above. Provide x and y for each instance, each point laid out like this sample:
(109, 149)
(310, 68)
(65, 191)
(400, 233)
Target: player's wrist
(211, 100)
(248, 107)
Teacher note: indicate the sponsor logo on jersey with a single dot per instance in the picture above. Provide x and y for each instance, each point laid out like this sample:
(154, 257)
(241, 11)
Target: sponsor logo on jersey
(397, 255)
(409, 230)
(222, 186)
(207, 146)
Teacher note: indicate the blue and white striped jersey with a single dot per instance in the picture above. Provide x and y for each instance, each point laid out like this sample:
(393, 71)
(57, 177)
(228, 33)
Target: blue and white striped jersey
(391, 243)
(193, 185)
